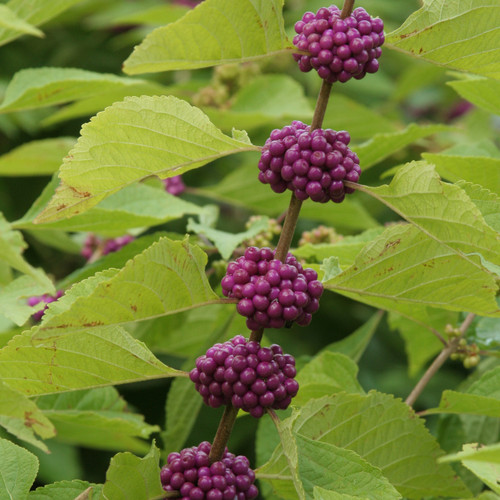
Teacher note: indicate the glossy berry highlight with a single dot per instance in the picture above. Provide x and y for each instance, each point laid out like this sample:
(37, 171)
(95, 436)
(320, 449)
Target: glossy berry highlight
(272, 293)
(190, 473)
(311, 164)
(339, 49)
(250, 377)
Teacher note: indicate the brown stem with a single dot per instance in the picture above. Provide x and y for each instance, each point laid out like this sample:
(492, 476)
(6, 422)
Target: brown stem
(288, 228)
(439, 361)
(347, 9)
(256, 335)
(292, 215)
(321, 104)
(223, 432)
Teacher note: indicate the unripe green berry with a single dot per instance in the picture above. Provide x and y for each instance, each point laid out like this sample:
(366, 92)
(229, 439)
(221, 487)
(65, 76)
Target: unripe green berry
(264, 238)
(471, 361)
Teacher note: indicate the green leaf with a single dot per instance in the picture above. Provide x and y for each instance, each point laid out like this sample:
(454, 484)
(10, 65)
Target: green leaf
(96, 419)
(82, 359)
(487, 333)
(343, 471)
(442, 211)
(135, 206)
(345, 249)
(242, 187)
(216, 32)
(356, 343)
(42, 87)
(34, 12)
(344, 113)
(183, 334)
(483, 92)
(13, 298)
(322, 494)
(132, 478)
(65, 490)
(273, 96)
(482, 397)
(12, 246)
(41, 157)
(226, 243)
(278, 99)
(439, 277)
(166, 278)
(10, 22)
(132, 140)
(421, 344)
(382, 145)
(131, 13)
(182, 408)
(22, 418)
(383, 431)
(456, 165)
(60, 240)
(483, 461)
(115, 259)
(327, 373)
(461, 35)
(18, 468)
(416, 76)
(488, 202)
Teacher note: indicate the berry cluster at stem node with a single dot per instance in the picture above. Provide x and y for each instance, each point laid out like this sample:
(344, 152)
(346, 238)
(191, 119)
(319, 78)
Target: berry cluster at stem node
(93, 243)
(246, 375)
(33, 301)
(174, 185)
(339, 49)
(190, 473)
(311, 164)
(272, 293)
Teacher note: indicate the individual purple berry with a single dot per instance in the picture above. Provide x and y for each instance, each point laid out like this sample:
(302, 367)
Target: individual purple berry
(250, 377)
(283, 290)
(229, 478)
(337, 48)
(47, 299)
(325, 162)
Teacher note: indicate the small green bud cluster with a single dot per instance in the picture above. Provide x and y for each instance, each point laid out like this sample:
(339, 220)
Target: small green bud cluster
(320, 234)
(468, 354)
(226, 81)
(264, 238)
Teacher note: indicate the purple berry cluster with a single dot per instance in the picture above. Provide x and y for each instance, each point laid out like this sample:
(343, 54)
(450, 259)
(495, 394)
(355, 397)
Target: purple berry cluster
(311, 164)
(340, 49)
(174, 185)
(93, 242)
(33, 301)
(246, 375)
(191, 473)
(272, 293)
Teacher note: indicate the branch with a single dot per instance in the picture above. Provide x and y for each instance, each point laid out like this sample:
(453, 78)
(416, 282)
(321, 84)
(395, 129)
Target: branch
(439, 361)
(347, 9)
(223, 432)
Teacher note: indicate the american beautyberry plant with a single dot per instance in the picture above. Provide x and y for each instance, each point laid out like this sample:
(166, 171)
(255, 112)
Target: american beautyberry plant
(190, 304)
